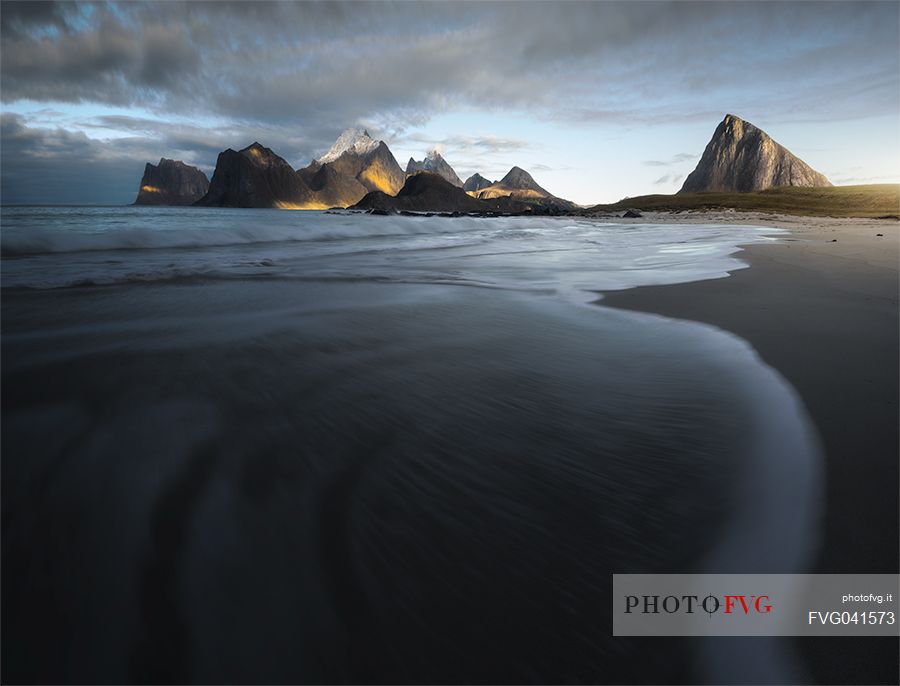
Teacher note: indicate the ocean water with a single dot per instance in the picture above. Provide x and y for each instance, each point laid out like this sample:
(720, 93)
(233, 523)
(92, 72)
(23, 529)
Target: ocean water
(58, 247)
(247, 445)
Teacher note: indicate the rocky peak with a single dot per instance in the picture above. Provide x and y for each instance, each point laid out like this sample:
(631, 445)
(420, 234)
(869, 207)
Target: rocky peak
(476, 182)
(436, 164)
(355, 141)
(741, 157)
(520, 179)
(255, 177)
(171, 182)
(261, 155)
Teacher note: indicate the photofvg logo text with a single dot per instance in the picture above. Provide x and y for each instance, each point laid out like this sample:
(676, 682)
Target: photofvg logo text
(755, 604)
(710, 604)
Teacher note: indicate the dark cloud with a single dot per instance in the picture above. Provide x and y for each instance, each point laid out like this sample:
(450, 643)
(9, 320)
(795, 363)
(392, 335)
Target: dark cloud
(199, 145)
(55, 166)
(22, 17)
(302, 62)
(294, 74)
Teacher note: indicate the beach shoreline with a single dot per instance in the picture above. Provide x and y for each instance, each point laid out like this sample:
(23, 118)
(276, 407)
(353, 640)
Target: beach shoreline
(821, 307)
(315, 425)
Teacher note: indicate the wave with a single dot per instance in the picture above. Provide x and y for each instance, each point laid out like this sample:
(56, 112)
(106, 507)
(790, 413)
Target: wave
(47, 249)
(28, 239)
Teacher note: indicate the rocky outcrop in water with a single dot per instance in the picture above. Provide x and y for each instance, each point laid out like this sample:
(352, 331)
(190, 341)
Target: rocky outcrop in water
(171, 182)
(741, 157)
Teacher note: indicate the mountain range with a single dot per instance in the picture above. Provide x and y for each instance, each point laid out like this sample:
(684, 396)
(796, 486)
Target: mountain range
(355, 167)
(359, 171)
(430, 192)
(517, 183)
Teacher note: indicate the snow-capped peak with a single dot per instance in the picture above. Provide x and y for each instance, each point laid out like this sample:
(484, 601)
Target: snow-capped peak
(354, 140)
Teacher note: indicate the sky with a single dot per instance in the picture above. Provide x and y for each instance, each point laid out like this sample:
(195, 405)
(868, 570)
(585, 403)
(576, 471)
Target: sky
(598, 100)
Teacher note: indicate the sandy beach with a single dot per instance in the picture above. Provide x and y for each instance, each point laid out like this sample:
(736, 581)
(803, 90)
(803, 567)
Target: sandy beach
(345, 428)
(821, 307)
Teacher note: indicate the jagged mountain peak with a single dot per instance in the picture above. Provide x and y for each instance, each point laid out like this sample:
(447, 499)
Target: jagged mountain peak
(434, 162)
(257, 147)
(260, 155)
(735, 126)
(354, 140)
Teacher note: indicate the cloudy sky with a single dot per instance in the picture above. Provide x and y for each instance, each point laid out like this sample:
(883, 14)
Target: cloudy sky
(598, 100)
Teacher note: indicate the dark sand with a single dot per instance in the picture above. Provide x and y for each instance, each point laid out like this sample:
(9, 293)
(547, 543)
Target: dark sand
(825, 315)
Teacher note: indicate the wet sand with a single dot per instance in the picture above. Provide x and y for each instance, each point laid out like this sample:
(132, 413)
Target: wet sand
(323, 481)
(821, 307)
(252, 481)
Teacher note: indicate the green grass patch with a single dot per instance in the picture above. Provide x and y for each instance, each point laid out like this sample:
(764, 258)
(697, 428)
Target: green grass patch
(871, 201)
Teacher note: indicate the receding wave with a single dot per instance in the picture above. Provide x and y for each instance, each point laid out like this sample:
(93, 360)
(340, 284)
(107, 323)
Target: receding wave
(314, 438)
(349, 463)
(49, 248)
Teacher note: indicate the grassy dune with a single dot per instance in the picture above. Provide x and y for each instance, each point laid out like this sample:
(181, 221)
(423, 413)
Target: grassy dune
(872, 201)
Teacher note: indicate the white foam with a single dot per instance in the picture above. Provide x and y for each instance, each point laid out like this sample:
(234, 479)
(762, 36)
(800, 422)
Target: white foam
(56, 247)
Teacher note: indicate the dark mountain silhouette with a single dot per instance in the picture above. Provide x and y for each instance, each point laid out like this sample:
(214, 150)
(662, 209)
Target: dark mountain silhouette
(307, 172)
(171, 182)
(255, 177)
(741, 157)
(333, 189)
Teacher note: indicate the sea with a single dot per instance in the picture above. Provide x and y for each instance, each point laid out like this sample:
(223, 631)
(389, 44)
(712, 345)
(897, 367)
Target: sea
(318, 447)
